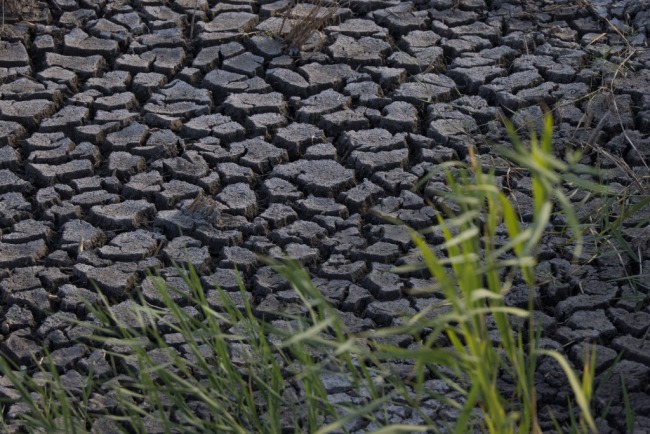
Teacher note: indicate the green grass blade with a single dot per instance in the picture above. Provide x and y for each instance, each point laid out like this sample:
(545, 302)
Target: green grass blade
(575, 384)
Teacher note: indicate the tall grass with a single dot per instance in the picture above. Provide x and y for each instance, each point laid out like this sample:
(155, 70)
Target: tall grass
(207, 361)
(476, 273)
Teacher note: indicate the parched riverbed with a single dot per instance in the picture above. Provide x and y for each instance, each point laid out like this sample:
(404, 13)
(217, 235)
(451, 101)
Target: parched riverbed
(139, 135)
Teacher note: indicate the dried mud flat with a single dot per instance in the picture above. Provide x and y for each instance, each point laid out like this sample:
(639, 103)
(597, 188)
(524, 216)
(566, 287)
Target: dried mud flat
(138, 134)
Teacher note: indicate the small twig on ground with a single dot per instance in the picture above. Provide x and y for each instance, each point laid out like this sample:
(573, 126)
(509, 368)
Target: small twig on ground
(196, 6)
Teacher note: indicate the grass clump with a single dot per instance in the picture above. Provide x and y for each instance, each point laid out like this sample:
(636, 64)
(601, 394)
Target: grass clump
(15, 10)
(303, 21)
(9, 8)
(478, 270)
(210, 362)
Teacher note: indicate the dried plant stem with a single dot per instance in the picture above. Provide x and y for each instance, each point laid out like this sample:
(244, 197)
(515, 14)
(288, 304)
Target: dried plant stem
(302, 27)
(196, 6)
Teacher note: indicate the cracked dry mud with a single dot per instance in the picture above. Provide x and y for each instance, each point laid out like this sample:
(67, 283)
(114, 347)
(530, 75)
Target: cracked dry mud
(116, 117)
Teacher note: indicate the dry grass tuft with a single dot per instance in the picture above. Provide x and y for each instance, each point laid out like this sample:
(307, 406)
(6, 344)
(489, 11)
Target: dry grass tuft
(17, 10)
(305, 19)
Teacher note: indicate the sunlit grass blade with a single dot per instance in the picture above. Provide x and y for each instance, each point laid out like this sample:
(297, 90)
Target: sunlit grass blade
(575, 384)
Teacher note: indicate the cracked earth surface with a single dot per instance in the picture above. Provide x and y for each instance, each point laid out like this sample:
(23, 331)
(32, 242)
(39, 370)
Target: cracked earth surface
(138, 134)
